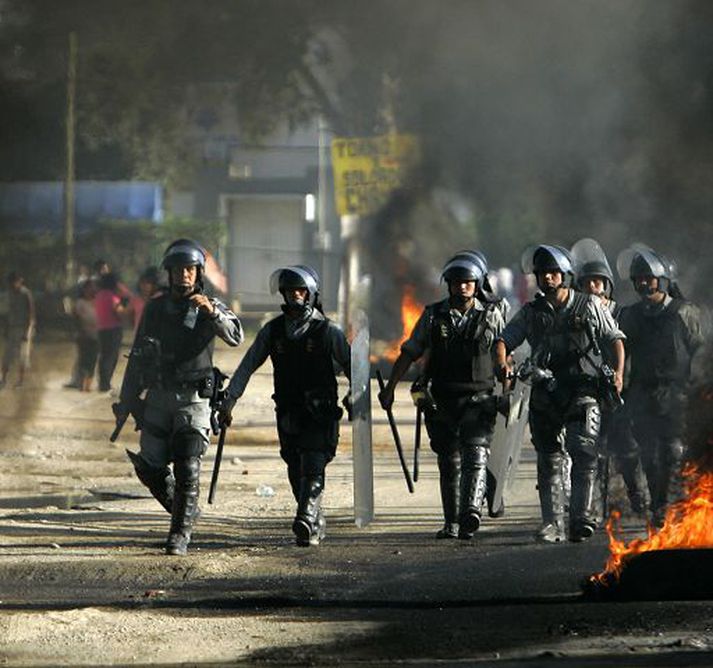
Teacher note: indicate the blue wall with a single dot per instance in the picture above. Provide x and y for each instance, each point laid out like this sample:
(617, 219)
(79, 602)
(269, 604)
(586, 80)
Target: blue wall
(38, 206)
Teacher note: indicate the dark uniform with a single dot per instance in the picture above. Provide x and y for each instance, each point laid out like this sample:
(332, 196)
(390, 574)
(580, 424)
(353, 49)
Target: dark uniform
(457, 344)
(616, 440)
(303, 346)
(172, 358)
(661, 341)
(459, 368)
(663, 334)
(565, 397)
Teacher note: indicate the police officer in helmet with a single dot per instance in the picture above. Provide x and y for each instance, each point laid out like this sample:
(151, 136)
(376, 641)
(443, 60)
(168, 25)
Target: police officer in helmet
(663, 332)
(304, 347)
(560, 325)
(456, 335)
(172, 360)
(595, 277)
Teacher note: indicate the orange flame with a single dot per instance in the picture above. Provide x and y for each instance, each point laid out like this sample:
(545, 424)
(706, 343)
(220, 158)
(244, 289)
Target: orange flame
(410, 312)
(688, 524)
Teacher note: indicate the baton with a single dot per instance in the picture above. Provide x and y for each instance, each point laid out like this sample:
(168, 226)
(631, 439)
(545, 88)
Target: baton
(121, 419)
(117, 430)
(417, 443)
(395, 434)
(216, 465)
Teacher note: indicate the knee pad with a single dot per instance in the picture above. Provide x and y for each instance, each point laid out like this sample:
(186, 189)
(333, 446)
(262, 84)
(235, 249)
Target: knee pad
(586, 418)
(188, 444)
(187, 469)
(474, 456)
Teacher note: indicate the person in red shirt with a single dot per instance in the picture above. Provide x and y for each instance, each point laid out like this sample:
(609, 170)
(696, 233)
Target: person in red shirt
(109, 305)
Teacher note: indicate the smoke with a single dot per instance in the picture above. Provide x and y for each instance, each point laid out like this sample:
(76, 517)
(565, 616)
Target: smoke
(558, 120)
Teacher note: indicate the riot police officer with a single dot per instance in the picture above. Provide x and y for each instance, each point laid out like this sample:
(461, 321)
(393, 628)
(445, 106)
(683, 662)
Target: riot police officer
(456, 335)
(564, 328)
(595, 277)
(172, 358)
(663, 333)
(303, 345)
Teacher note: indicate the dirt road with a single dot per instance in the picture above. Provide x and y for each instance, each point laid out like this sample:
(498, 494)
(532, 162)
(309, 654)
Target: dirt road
(83, 580)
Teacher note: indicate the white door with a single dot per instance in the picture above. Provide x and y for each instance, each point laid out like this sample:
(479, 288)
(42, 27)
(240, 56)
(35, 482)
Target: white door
(265, 232)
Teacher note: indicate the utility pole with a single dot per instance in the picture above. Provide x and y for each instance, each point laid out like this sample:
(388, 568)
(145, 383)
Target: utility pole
(70, 167)
(323, 241)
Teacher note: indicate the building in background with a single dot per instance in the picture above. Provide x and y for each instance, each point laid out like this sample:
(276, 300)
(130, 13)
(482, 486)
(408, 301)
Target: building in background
(276, 200)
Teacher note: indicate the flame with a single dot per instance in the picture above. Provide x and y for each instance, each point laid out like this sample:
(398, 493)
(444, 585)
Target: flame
(688, 524)
(411, 311)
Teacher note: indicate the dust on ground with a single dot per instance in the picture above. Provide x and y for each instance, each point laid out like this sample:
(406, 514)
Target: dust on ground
(84, 581)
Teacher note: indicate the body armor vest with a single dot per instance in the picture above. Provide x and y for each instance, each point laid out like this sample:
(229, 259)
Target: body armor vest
(302, 368)
(460, 362)
(657, 345)
(186, 355)
(560, 340)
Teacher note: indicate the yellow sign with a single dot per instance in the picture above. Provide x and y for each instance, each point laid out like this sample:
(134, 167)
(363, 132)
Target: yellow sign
(368, 169)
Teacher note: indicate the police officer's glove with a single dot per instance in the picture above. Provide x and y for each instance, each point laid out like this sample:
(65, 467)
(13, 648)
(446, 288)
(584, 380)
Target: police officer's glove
(386, 398)
(503, 372)
(121, 411)
(348, 406)
(225, 411)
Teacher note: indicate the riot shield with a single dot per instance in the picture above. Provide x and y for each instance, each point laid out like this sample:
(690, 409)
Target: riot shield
(361, 422)
(655, 263)
(505, 446)
(590, 260)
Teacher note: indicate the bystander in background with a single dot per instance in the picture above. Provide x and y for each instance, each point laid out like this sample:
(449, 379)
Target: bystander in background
(109, 305)
(19, 329)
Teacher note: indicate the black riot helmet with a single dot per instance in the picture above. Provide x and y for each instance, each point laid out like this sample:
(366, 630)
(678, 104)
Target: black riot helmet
(465, 266)
(297, 276)
(639, 260)
(544, 258)
(184, 253)
(590, 261)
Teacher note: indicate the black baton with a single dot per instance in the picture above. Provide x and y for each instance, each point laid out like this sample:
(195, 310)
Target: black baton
(216, 465)
(417, 443)
(397, 438)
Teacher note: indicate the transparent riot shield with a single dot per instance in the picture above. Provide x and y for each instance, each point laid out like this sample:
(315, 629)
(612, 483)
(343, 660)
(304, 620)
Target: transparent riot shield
(506, 445)
(590, 260)
(361, 422)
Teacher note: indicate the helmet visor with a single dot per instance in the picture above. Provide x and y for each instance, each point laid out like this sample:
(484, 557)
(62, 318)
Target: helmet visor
(544, 257)
(295, 276)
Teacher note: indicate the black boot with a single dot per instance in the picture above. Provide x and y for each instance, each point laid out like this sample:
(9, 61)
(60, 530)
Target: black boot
(159, 481)
(449, 475)
(185, 504)
(581, 507)
(306, 526)
(670, 480)
(551, 491)
(473, 483)
(634, 483)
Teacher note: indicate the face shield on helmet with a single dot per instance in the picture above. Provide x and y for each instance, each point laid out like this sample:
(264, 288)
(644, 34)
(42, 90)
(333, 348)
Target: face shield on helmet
(184, 253)
(293, 277)
(590, 262)
(463, 267)
(546, 258)
(639, 261)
